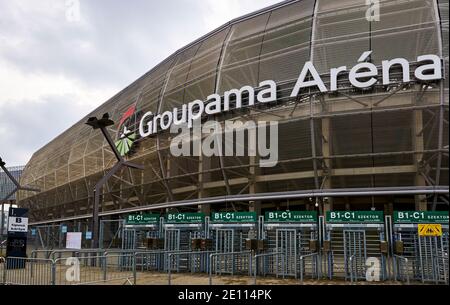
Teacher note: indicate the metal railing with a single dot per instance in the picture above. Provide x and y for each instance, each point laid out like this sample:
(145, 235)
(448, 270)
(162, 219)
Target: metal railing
(27, 271)
(68, 271)
(265, 255)
(190, 255)
(401, 268)
(313, 265)
(232, 254)
(351, 259)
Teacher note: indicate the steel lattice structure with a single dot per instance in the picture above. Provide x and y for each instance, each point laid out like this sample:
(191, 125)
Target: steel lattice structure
(383, 147)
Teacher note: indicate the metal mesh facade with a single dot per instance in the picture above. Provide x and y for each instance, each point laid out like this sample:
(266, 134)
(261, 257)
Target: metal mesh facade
(383, 137)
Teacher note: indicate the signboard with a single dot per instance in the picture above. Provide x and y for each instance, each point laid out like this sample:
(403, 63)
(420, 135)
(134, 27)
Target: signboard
(430, 229)
(88, 235)
(73, 240)
(291, 216)
(234, 217)
(421, 217)
(354, 216)
(185, 218)
(63, 229)
(33, 232)
(17, 224)
(142, 219)
(16, 244)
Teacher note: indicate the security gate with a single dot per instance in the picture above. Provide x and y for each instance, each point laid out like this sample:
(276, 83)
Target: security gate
(181, 233)
(228, 233)
(111, 233)
(294, 234)
(355, 245)
(421, 246)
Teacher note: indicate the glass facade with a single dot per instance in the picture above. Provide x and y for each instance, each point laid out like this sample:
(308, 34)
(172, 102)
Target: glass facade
(388, 136)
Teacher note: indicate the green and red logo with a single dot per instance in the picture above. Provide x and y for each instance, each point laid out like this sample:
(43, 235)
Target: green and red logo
(126, 136)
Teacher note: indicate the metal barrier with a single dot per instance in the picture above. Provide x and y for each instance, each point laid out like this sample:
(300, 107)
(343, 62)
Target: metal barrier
(27, 271)
(76, 271)
(266, 255)
(401, 269)
(211, 260)
(2, 267)
(197, 258)
(316, 265)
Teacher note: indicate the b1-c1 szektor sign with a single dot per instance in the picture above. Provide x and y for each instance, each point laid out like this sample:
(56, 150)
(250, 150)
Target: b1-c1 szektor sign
(233, 217)
(421, 217)
(185, 218)
(290, 216)
(354, 216)
(142, 219)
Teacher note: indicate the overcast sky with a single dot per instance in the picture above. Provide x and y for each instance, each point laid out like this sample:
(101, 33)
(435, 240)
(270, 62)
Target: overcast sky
(57, 65)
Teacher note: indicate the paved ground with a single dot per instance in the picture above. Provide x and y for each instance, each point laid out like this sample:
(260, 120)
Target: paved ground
(152, 278)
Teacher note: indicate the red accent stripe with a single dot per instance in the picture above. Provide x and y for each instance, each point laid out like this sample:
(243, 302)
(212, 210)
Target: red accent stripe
(127, 114)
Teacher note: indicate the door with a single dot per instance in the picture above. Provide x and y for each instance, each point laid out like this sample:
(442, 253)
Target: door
(225, 244)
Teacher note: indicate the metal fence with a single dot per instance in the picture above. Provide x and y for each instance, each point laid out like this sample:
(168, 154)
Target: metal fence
(69, 271)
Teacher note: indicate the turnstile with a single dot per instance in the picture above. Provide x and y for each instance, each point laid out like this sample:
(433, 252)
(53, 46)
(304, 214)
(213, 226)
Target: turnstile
(182, 231)
(355, 245)
(229, 233)
(421, 246)
(144, 232)
(294, 234)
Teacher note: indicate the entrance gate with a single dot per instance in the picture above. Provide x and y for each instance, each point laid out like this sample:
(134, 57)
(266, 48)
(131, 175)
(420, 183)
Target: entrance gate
(228, 232)
(111, 233)
(355, 245)
(181, 232)
(295, 235)
(421, 246)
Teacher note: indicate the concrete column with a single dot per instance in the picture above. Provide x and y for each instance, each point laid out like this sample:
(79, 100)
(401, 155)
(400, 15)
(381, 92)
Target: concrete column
(203, 164)
(254, 206)
(418, 145)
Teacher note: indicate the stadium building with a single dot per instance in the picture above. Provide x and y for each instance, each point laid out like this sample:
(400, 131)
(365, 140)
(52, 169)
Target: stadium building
(361, 103)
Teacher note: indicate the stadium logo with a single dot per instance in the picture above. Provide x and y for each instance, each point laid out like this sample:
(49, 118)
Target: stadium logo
(126, 136)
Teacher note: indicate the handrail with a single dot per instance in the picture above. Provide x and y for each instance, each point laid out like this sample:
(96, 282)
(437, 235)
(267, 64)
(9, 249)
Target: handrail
(351, 267)
(263, 255)
(224, 254)
(169, 270)
(302, 257)
(406, 264)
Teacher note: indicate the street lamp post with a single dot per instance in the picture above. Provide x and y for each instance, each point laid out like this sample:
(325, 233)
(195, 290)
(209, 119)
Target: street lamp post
(101, 124)
(18, 187)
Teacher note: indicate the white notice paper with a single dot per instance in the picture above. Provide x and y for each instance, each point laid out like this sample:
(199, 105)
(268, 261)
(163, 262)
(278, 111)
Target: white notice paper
(73, 240)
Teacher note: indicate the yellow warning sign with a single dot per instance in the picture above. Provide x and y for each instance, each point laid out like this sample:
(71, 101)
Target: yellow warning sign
(430, 229)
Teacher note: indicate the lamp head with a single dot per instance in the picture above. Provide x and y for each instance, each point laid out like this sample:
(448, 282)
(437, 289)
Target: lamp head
(2, 163)
(95, 123)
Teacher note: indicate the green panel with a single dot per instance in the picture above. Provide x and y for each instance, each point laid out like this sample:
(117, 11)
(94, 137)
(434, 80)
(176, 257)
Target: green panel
(291, 216)
(185, 218)
(421, 217)
(233, 217)
(354, 216)
(142, 219)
